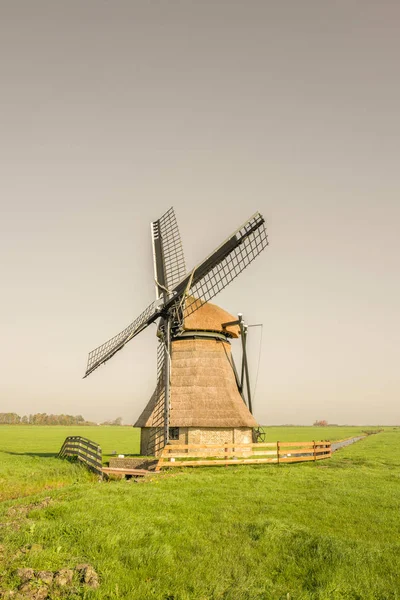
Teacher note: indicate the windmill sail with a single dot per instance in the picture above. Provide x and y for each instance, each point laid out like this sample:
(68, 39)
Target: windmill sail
(202, 284)
(104, 352)
(154, 414)
(222, 266)
(169, 260)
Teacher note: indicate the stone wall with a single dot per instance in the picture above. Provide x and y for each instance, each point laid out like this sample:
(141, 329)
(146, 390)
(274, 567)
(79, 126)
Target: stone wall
(243, 435)
(130, 462)
(219, 435)
(199, 435)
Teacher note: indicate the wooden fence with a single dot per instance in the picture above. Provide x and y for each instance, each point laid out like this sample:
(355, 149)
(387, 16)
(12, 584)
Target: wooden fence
(85, 451)
(197, 455)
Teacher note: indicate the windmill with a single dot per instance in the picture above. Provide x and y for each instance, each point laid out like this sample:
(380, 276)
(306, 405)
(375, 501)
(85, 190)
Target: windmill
(199, 395)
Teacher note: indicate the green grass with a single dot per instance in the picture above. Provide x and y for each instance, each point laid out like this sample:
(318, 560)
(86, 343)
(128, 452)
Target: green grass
(27, 455)
(126, 440)
(320, 531)
(24, 475)
(48, 439)
(23, 470)
(306, 434)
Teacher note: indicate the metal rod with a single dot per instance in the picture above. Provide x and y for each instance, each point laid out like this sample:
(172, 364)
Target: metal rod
(243, 350)
(240, 388)
(246, 370)
(167, 358)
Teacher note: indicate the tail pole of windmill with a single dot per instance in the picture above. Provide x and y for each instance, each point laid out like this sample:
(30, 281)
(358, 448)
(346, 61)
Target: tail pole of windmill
(200, 396)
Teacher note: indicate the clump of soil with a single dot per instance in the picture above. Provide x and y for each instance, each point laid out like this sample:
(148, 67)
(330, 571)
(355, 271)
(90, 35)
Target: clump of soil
(26, 574)
(37, 585)
(88, 575)
(32, 591)
(64, 577)
(46, 577)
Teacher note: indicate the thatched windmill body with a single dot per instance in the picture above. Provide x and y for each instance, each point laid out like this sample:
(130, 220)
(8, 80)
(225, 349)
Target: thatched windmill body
(199, 397)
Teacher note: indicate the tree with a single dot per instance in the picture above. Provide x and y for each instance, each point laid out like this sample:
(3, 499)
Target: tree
(45, 419)
(117, 421)
(322, 423)
(9, 418)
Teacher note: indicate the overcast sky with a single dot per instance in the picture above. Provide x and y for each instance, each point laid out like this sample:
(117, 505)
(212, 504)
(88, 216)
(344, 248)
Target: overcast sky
(112, 111)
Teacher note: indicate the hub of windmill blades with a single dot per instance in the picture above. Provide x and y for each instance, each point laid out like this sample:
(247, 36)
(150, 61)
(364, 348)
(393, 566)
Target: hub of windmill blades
(180, 293)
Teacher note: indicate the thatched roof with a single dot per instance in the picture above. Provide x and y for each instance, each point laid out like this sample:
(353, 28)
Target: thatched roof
(209, 317)
(203, 388)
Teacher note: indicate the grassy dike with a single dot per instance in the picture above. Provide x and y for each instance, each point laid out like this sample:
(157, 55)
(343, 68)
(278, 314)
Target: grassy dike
(309, 531)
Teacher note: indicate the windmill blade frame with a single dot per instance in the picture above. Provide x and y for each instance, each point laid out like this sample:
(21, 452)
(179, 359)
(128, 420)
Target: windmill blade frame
(223, 265)
(159, 435)
(205, 281)
(169, 260)
(105, 351)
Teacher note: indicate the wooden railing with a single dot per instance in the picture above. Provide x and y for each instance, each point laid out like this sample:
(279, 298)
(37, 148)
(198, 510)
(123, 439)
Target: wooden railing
(85, 451)
(197, 455)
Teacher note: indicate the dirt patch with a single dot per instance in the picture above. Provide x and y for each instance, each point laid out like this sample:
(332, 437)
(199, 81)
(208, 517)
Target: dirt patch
(30, 548)
(21, 510)
(39, 585)
(18, 513)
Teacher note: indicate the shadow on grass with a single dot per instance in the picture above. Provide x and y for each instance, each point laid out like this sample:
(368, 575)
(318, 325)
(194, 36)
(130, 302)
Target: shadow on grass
(41, 454)
(55, 454)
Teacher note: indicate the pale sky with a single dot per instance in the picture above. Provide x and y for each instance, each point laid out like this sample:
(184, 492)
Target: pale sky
(112, 111)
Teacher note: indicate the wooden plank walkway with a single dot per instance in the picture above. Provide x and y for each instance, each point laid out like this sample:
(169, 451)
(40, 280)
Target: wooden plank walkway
(126, 471)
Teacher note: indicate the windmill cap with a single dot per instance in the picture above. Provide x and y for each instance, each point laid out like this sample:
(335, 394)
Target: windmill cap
(210, 317)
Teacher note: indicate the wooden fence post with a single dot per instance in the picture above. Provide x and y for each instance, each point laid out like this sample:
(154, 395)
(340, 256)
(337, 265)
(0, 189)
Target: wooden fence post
(277, 450)
(315, 453)
(226, 455)
(329, 446)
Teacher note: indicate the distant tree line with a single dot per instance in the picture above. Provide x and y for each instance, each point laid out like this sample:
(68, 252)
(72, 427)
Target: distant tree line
(117, 421)
(42, 419)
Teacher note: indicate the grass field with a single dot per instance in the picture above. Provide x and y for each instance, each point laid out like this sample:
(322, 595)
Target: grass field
(37, 439)
(43, 440)
(309, 531)
(23, 448)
